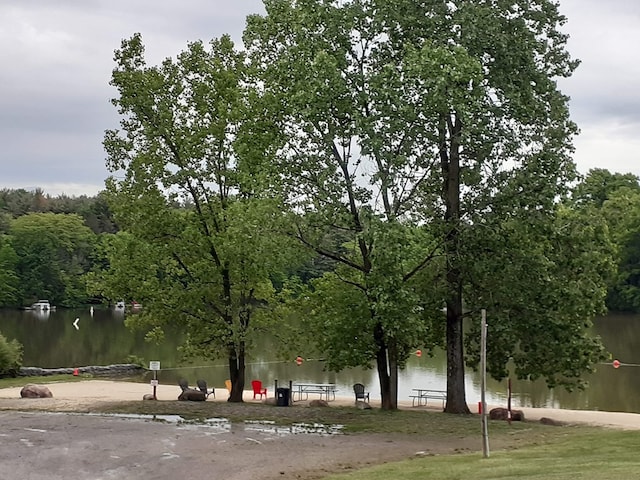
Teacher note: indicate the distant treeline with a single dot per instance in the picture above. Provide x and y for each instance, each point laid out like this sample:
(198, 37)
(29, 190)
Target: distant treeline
(55, 248)
(93, 210)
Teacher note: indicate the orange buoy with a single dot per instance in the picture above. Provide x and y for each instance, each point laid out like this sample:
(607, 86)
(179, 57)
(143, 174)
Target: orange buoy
(75, 372)
(418, 353)
(299, 361)
(616, 364)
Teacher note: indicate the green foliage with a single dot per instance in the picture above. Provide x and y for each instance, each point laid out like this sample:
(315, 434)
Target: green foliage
(5, 222)
(616, 197)
(9, 280)
(600, 184)
(10, 357)
(121, 265)
(202, 229)
(345, 106)
(541, 283)
(94, 211)
(54, 252)
(398, 134)
(136, 360)
(397, 116)
(16, 202)
(622, 211)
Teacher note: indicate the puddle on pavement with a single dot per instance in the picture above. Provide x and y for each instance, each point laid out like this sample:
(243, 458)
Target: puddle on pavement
(223, 425)
(293, 429)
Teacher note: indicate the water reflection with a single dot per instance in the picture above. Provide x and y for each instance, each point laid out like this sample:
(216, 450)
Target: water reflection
(271, 428)
(223, 425)
(40, 314)
(51, 341)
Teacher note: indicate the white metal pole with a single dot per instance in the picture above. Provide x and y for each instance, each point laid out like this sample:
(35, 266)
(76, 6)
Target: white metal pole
(483, 386)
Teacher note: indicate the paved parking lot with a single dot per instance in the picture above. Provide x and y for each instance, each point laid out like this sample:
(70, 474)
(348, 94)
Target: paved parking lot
(57, 446)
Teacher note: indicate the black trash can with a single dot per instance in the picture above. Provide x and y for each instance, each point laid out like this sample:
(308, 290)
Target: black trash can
(283, 397)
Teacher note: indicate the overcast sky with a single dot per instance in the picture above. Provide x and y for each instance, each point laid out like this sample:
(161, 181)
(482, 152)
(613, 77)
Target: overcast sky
(57, 57)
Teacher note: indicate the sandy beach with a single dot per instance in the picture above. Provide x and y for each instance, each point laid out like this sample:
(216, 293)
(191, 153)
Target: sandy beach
(83, 394)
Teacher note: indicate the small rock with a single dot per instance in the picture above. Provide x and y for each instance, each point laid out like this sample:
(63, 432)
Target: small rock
(35, 391)
(551, 421)
(148, 396)
(318, 403)
(503, 414)
(363, 405)
(192, 395)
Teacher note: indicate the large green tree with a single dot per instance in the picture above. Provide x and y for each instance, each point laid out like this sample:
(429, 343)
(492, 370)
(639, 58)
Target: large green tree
(199, 214)
(444, 115)
(505, 150)
(356, 171)
(541, 283)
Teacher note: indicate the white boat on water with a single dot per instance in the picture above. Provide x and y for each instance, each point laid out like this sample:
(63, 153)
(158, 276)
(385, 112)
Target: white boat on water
(42, 305)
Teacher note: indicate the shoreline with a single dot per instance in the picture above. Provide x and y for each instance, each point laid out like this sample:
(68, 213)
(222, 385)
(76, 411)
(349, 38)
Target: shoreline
(83, 394)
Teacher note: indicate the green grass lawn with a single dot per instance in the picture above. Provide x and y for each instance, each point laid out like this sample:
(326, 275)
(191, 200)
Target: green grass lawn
(583, 454)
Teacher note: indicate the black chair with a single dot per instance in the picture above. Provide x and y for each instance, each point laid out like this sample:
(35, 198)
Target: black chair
(202, 385)
(358, 389)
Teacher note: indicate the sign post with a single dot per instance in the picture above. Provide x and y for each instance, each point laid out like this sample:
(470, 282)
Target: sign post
(155, 366)
(483, 384)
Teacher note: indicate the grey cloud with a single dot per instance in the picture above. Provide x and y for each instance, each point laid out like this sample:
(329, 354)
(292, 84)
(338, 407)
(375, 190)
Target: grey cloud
(52, 157)
(57, 58)
(603, 35)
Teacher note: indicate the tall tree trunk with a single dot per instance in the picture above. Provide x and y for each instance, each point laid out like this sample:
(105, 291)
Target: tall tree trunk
(451, 128)
(388, 402)
(236, 351)
(236, 371)
(393, 376)
(456, 395)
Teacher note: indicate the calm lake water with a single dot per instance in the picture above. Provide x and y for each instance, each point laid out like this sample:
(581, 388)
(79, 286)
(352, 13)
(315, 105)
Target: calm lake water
(51, 340)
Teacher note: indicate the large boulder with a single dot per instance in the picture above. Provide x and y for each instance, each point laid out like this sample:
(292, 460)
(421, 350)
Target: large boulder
(503, 414)
(192, 395)
(318, 403)
(35, 391)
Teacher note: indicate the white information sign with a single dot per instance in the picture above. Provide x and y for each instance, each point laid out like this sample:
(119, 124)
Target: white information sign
(154, 365)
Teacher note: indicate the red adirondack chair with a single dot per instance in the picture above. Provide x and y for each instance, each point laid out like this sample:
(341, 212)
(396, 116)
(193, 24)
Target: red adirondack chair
(257, 389)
